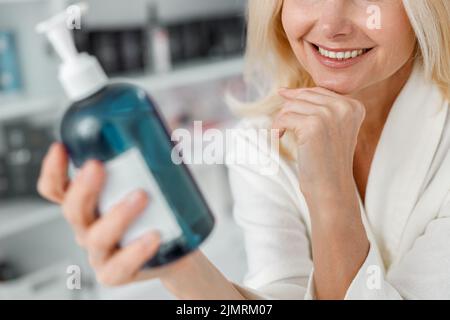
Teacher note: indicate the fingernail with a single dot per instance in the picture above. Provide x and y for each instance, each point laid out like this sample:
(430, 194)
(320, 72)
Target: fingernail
(92, 166)
(136, 198)
(89, 169)
(53, 147)
(151, 239)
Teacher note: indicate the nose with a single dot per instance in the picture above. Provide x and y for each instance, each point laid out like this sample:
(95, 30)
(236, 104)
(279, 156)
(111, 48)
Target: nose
(334, 21)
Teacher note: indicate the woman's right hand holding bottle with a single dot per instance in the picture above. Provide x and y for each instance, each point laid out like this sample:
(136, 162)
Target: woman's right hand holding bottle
(191, 277)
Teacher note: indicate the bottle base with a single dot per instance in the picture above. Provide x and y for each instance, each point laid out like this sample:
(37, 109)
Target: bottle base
(177, 248)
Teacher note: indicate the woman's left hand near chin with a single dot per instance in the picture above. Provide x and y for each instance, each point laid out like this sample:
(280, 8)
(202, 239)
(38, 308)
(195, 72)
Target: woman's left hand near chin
(326, 126)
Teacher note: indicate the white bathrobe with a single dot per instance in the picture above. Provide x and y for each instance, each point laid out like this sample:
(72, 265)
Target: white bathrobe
(406, 212)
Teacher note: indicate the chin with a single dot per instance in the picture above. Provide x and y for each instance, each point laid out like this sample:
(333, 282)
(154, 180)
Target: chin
(339, 86)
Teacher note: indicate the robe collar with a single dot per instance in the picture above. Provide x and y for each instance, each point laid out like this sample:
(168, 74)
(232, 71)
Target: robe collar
(402, 159)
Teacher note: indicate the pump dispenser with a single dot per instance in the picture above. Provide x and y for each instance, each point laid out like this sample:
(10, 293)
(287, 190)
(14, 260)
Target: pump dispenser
(80, 74)
(119, 125)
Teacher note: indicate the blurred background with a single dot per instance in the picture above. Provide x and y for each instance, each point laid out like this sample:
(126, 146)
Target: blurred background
(186, 53)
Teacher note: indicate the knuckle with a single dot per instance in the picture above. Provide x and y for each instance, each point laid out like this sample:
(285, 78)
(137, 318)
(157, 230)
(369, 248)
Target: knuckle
(344, 108)
(93, 261)
(283, 112)
(118, 220)
(67, 212)
(316, 124)
(115, 274)
(357, 111)
(326, 113)
(74, 218)
(360, 109)
(298, 133)
(280, 119)
(122, 215)
(105, 278)
(47, 191)
(96, 241)
(81, 240)
(355, 105)
(44, 189)
(142, 249)
(286, 114)
(124, 271)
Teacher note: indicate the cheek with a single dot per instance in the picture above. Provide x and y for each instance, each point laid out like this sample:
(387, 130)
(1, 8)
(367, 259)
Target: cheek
(296, 22)
(396, 39)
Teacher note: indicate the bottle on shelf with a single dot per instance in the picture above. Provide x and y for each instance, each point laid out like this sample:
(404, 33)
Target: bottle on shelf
(159, 52)
(10, 81)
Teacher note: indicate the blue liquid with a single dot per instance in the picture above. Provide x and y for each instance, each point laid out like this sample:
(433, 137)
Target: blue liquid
(121, 117)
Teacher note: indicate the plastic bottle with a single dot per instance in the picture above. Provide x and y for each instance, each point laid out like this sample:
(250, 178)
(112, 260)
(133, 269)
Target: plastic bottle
(119, 125)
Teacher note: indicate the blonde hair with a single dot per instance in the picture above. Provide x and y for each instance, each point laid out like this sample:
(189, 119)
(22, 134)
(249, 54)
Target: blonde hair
(430, 20)
(271, 63)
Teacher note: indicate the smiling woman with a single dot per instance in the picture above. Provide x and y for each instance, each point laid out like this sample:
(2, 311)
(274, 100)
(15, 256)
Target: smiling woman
(360, 205)
(379, 53)
(280, 57)
(362, 196)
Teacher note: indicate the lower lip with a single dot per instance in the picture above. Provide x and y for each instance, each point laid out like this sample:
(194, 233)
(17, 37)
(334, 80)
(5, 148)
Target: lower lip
(339, 64)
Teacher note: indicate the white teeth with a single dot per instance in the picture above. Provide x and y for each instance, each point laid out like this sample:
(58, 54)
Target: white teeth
(341, 55)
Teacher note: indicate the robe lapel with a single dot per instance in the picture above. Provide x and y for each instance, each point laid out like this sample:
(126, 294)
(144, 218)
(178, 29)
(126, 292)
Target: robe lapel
(426, 209)
(367, 226)
(402, 159)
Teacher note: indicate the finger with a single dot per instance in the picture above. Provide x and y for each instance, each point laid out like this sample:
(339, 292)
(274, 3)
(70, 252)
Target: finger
(303, 107)
(80, 203)
(297, 123)
(312, 97)
(125, 265)
(331, 107)
(293, 93)
(53, 179)
(300, 107)
(105, 233)
(324, 91)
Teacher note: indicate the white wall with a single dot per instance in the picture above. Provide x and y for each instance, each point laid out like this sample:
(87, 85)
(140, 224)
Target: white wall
(134, 12)
(37, 67)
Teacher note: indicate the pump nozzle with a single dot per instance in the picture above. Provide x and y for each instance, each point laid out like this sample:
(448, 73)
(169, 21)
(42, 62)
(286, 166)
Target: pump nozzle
(80, 74)
(59, 35)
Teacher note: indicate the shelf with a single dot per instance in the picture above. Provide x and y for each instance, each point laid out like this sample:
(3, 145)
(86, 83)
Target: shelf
(16, 216)
(22, 106)
(195, 73)
(21, 1)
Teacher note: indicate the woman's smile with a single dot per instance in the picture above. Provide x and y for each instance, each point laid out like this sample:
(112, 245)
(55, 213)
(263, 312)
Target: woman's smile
(339, 58)
(333, 43)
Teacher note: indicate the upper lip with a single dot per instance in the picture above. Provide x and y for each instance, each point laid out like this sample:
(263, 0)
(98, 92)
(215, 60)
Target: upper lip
(340, 49)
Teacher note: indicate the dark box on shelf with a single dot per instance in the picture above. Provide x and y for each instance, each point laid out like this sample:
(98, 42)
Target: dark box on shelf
(26, 147)
(4, 181)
